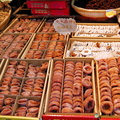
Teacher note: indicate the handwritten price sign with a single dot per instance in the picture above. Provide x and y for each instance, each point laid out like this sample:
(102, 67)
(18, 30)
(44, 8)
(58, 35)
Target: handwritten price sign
(65, 25)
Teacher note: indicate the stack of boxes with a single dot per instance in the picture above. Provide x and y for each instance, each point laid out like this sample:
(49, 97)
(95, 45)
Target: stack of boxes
(47, 7)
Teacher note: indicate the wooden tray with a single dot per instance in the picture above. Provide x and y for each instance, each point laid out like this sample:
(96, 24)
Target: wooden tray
(60, 114)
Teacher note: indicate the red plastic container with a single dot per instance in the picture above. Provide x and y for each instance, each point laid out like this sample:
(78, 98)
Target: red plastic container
(68, 117)
(51, 11)
(46, 4)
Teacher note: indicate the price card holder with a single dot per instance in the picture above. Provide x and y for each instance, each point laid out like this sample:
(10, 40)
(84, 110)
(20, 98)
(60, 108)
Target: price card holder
(110, 13)
(65, 25)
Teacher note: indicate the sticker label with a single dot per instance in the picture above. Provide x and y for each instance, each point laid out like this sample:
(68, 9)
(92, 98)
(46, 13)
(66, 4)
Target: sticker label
(65, 25)
(110, 13)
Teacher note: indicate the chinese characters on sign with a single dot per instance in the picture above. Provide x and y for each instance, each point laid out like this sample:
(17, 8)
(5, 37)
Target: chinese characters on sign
(65, 25)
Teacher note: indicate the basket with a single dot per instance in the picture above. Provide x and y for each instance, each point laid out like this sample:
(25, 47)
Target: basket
(6, 20)
(92, 13)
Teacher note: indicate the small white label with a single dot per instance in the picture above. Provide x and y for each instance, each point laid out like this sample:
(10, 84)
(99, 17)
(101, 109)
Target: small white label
(65, 25)
(110, 13)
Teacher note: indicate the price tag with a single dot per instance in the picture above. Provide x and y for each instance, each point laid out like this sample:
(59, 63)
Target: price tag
(110, 13)
(65, 25)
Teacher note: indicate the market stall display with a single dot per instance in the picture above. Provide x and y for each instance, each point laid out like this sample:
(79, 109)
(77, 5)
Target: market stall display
(27, 107)
(23, 25)
(71, 88)
(13, 45)
(7, 103)
(97, 30)
(108, 86)
(91, 47)
(46, 27)
(49, 75)
(37, 88)
(17, 80)
(46, 46)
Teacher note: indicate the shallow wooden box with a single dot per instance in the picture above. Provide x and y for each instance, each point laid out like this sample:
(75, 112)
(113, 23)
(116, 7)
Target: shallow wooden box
(10, 42)
(108, 36)
(44, 50)
(71, 40)
(68, 116)
(43, 24)
(16, 20)
(103, 116)
(42, 98)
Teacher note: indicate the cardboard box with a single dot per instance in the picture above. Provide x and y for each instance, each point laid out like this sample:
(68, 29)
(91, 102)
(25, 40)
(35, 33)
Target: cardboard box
(60, 4)
(69, 116)
(52, 12)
